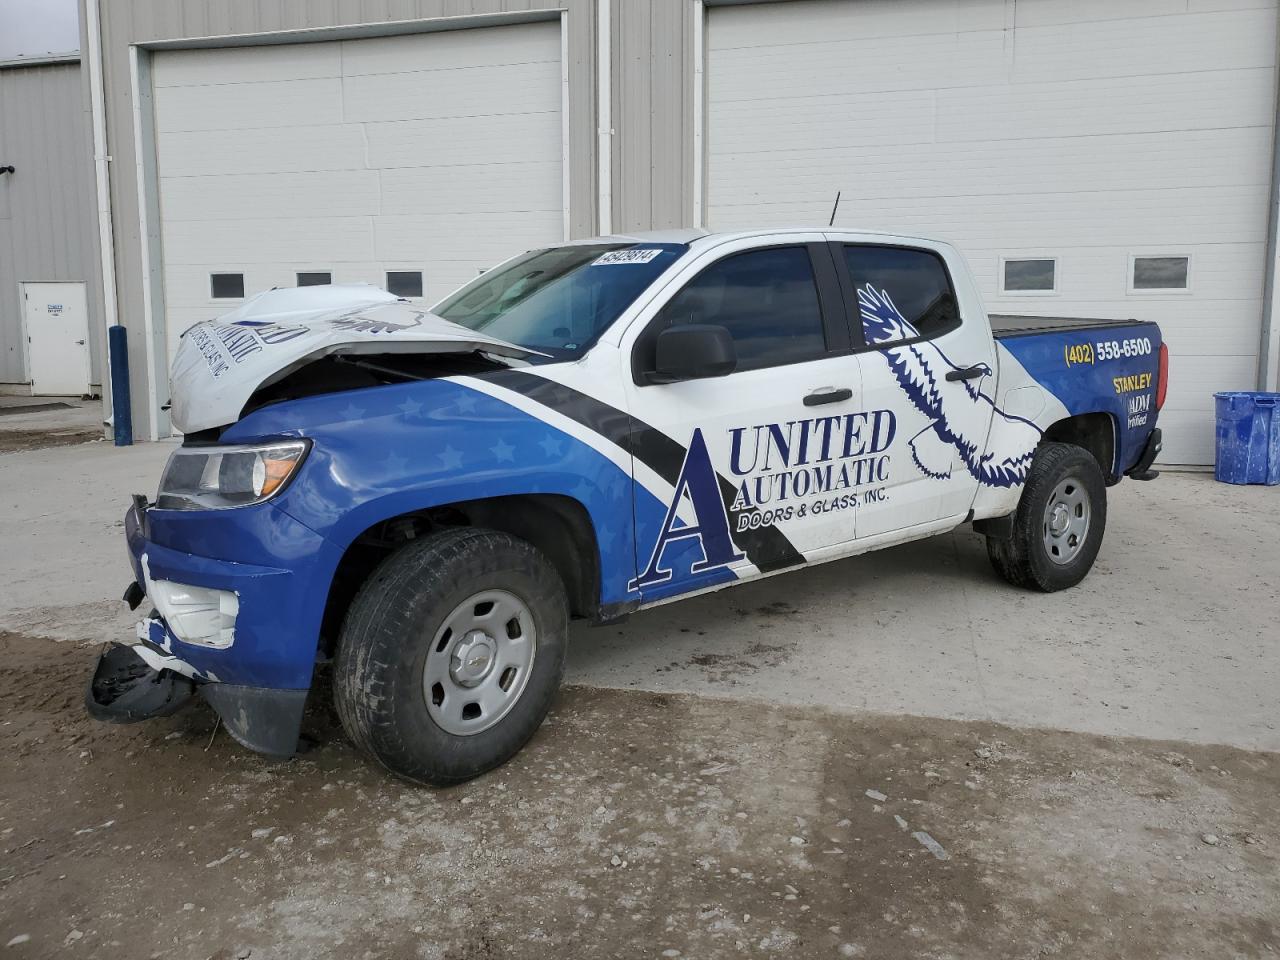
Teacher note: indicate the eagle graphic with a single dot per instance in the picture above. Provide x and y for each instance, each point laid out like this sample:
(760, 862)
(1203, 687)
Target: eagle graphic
(996, 447)
(362, 320)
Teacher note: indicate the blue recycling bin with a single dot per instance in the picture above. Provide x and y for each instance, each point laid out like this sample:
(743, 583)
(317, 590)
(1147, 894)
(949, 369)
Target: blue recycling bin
(1248, 438)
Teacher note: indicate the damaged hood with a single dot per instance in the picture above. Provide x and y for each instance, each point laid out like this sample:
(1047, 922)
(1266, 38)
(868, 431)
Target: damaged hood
(221, 363)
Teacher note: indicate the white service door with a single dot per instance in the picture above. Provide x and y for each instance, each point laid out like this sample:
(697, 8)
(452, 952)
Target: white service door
(432, 155)
(762, 450)
(57, 323)
(1086, 133)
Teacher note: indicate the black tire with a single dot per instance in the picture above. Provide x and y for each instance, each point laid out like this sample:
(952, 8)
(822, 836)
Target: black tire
(389, 630)
(1024, 559)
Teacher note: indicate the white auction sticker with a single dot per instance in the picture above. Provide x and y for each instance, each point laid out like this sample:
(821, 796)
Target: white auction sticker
(630, 255)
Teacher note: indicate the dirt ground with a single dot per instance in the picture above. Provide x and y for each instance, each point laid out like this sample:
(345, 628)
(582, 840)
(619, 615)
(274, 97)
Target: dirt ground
(34, 423)
(637, 824)
(13, 441)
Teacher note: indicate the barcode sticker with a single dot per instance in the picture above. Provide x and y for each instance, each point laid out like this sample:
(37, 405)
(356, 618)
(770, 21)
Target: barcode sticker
(630, 255)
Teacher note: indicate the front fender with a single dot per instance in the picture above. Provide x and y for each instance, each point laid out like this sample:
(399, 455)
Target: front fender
(382, 452)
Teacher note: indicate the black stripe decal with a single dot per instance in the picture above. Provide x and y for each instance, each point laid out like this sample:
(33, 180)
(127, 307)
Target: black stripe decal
(765, 546)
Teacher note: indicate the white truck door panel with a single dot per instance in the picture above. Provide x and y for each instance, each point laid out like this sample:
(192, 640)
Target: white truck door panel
(932, 370)
(775, 433)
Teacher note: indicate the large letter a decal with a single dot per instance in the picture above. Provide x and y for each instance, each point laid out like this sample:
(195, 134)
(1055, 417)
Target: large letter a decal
(698, 482)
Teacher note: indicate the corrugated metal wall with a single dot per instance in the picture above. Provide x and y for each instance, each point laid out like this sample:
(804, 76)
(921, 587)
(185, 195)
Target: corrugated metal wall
(652, 112)
(48, 228)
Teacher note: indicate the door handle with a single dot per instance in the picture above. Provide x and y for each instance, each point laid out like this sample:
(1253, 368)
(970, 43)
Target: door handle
(81, 342)
(968, 373)
(827, 395)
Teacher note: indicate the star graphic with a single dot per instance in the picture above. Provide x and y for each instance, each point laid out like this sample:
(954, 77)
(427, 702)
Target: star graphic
(503, 451)
(410, 407)
(395, 463)
(450, 458)
(583, 490)
(467, 403)
(550, 445)
(351, 412)
(604, 536)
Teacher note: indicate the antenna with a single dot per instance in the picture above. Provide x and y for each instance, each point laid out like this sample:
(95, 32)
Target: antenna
(834, 208)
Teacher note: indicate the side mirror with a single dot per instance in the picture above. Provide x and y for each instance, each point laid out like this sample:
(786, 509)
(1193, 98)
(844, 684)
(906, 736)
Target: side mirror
(693, 351)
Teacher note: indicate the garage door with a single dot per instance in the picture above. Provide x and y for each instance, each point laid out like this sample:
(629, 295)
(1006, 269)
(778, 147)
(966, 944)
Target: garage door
(1126, 143)
(424, 157)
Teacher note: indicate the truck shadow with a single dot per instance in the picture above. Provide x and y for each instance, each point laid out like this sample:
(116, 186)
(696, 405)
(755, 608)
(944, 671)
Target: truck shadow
(742, 629)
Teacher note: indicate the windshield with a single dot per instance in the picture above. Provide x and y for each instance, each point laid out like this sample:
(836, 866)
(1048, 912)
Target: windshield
(559, 300)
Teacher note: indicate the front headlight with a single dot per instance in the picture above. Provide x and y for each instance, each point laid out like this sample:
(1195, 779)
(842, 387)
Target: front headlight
(217, 477)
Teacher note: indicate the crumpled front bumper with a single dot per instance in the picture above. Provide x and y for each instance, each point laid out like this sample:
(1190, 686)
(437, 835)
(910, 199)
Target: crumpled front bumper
(131, 683)
(278, 571)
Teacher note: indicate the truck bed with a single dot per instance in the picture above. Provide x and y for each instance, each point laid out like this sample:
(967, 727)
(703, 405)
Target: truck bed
(1093, 366)
(1005, 325)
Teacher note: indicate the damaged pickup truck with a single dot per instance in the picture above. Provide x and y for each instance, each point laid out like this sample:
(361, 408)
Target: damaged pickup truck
(425, 499)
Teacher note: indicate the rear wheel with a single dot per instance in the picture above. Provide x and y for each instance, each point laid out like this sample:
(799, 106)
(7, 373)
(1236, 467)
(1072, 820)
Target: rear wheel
(451, 654)
(1058, 527)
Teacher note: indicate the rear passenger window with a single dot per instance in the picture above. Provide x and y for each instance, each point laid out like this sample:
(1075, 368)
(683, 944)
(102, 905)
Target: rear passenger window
(902, 294)
(766, 299)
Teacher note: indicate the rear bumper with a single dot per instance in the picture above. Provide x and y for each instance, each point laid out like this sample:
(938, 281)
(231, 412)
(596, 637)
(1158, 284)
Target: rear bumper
(140, 682)
(1142, 469)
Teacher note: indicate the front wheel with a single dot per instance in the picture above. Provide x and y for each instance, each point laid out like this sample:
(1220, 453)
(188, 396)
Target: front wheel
(451, 654)
(1058, 527)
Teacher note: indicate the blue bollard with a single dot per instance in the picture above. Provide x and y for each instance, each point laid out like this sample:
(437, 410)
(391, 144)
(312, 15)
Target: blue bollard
(118, 359)
(1248, 438)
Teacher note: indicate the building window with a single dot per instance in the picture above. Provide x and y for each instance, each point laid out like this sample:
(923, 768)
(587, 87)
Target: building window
(1159, 273)
(226, 286)
(404, 283)
(1029, 276)
(315, 279)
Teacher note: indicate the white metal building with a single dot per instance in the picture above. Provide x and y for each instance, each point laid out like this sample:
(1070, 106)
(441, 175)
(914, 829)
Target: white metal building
(1111, 159)
(51, 334)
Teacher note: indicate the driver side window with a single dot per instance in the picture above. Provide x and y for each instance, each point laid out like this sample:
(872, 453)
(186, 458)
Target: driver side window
(768, 301)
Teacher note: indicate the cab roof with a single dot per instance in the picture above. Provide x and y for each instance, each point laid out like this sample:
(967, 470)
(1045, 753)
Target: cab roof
(698, 237)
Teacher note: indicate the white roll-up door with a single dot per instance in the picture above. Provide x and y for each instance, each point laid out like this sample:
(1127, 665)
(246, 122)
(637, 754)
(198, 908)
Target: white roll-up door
(1109, 136)
(432, 155)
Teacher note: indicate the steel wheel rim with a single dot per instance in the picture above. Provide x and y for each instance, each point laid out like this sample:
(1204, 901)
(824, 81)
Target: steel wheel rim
(479, 662)
(1067, 516)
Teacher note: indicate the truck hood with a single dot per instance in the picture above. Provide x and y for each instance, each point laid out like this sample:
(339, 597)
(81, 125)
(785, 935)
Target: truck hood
(221, 363)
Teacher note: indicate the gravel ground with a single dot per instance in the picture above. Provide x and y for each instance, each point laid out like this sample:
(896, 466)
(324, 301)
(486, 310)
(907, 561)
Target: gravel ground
(636, 824)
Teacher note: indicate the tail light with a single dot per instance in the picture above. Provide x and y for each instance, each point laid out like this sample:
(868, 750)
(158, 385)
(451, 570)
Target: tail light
(1162, 378)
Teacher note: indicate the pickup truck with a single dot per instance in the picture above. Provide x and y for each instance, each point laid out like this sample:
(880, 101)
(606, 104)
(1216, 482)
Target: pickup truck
(423, 499)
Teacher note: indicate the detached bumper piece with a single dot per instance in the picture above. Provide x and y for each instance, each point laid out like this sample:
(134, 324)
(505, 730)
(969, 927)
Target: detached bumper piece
(1142, 469)
(124, 688)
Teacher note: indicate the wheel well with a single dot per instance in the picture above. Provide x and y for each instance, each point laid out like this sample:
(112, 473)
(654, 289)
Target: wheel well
(1095, 432)
(559, 526)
